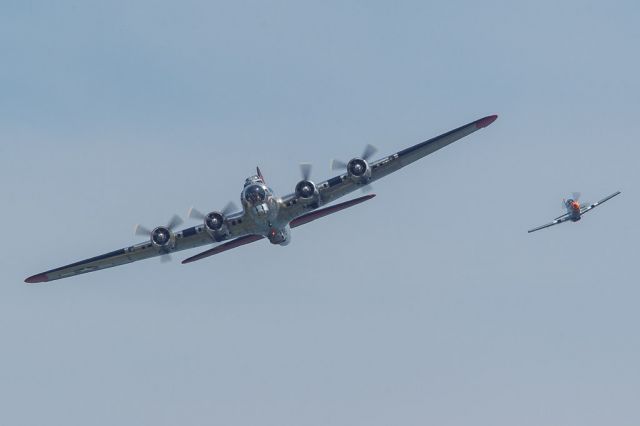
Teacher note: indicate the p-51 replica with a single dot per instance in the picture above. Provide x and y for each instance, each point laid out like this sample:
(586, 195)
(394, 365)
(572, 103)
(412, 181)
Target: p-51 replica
(263, 214)
(574, 210)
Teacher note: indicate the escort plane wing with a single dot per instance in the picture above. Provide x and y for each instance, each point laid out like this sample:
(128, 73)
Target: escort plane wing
(263, 214)
(574, 210)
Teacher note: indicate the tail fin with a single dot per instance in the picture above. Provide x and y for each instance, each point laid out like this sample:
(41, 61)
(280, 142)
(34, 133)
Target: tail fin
(260, 174)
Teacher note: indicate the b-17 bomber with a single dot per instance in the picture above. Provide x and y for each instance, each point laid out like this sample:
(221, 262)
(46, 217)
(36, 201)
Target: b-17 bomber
(263, 215)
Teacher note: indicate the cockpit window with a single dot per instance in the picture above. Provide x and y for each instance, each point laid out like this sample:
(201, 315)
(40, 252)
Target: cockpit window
(255, 194)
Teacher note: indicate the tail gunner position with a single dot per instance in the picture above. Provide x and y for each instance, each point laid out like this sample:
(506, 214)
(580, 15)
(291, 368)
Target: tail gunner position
(263, 214)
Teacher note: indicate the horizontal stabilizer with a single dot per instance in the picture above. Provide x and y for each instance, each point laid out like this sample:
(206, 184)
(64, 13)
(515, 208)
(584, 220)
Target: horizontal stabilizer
(309, 217)
(224, 247)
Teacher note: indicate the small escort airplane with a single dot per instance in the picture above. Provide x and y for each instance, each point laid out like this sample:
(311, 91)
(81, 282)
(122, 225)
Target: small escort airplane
(264, 215)
(574, 210)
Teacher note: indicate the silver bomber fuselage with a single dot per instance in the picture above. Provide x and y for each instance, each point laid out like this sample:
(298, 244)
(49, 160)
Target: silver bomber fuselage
(261, 209)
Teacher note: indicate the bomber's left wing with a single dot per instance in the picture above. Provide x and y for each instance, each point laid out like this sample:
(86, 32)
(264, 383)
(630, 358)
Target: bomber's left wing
(561, 219)
(195, 236)
(188, 238)
(338, 186)
(594, 205)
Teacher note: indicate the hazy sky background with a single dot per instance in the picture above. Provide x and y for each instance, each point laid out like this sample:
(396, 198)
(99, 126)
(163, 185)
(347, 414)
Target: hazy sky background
(429, 304)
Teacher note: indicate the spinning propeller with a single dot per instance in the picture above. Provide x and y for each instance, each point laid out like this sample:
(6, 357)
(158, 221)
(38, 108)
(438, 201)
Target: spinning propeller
(368, 152)
(306, 189)
(356, 165)
(575, 196)
(161, 236)
(226, 211)
(305, 170)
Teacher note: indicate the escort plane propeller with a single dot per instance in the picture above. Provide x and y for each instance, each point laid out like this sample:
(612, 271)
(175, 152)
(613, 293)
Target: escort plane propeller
(575, 210)
(263, 214)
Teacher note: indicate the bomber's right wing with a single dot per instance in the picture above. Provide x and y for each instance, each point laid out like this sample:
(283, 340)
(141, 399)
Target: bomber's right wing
(189, 238)
(561, 219)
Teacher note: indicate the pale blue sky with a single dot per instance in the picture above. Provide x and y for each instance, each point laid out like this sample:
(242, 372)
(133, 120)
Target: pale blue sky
(429, 304)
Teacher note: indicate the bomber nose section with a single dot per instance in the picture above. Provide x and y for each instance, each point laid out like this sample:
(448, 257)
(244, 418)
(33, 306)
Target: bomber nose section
(254, 194)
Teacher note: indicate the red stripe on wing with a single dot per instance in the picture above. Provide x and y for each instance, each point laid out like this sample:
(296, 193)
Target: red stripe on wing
(40, 278)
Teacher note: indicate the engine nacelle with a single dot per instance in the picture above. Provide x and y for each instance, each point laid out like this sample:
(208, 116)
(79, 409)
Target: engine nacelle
(306, 190)
(163, 237)
(359, 171)
(215, 224)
